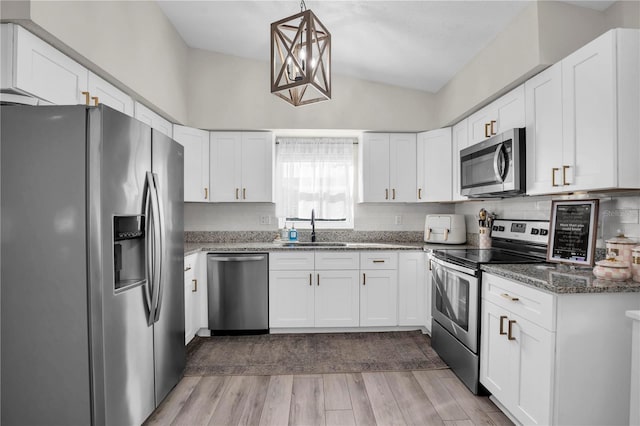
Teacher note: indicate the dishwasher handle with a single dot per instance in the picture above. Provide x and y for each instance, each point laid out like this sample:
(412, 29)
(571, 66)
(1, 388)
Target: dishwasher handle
(236, 258)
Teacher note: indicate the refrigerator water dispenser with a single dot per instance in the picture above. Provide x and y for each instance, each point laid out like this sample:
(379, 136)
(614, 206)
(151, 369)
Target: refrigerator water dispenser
(128, 251)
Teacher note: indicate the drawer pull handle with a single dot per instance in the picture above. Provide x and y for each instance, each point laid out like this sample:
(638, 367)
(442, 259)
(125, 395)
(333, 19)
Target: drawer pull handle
(491, 125)
(564, 175)
(95, 100)
(393, 191)
(237, 196)
(188, 268)
(386, 194)
(486, 130)
(506, 296)
(553, 176)
(378, 261)
(509, 336)
(318, 283)
(310, 279)
(502, 318)
(195, 286)
(244, 193)
(206, 193)
(419, 193)
(86, 97)
(364, 279)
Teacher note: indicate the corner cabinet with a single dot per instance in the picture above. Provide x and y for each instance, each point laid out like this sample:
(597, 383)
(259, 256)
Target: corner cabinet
(582, 118)
(388, 168)
(241, 166)
(539, 359)
(434, 165)
(196, 162)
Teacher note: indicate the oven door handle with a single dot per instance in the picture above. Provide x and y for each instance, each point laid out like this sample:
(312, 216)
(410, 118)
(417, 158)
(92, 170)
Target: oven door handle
(453, 266)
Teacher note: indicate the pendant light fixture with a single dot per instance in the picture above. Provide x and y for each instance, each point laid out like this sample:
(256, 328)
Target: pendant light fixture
(301, 59)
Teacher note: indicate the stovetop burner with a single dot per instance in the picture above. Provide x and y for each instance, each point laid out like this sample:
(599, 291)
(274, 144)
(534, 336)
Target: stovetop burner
(473, 257)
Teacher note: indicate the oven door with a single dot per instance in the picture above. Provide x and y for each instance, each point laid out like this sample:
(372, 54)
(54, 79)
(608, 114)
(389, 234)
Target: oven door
(455, 301)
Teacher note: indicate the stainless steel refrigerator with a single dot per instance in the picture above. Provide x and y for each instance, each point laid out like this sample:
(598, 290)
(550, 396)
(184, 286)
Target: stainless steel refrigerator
(92, 299)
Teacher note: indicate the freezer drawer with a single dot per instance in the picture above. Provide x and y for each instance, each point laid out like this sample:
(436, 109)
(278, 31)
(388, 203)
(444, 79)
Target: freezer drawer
(238, 288)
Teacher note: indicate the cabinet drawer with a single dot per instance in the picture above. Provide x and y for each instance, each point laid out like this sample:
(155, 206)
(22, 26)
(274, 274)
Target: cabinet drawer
(379, 260)
(337, 260)
(291, 261)
(533, 305)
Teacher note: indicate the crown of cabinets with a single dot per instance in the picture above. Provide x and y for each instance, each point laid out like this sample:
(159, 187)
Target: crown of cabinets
(582, 118)
(226, 166)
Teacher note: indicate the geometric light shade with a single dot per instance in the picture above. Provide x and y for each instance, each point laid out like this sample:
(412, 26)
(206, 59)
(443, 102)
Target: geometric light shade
(301, 59)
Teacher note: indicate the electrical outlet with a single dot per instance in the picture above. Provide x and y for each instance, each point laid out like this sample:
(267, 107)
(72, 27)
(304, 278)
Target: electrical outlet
(265, 220)
(398, 220)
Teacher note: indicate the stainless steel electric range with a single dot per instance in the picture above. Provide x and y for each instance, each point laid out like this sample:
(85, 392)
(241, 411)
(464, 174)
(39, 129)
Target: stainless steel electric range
(457, 284)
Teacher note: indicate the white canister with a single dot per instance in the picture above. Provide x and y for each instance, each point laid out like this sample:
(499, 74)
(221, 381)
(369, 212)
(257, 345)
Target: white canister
(613, 270)
(620, 248)
(635, 263)
(484, 237)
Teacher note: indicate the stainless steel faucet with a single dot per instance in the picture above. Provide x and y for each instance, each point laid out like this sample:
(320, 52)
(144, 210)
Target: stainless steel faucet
(313, 225)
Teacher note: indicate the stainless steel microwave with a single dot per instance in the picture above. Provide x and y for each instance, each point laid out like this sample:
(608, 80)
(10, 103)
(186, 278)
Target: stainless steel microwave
(494, 167)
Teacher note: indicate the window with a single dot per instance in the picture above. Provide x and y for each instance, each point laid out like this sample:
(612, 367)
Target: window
(315, 173)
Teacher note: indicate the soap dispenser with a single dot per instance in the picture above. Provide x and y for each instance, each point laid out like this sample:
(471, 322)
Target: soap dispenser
(293, 233)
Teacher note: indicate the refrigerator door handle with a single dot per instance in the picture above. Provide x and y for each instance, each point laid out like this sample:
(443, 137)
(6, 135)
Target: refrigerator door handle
(153, 242)
(148, 247)
(159, 216)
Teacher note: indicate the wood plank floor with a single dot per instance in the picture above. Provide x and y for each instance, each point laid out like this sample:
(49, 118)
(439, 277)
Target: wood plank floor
(433, 397)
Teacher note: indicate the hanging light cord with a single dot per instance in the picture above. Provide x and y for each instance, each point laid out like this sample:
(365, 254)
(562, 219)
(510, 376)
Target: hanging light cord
(303, 6)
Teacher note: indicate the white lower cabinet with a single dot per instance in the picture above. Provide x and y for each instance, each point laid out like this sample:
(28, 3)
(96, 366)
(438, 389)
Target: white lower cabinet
(313, 289)
(427, 293)
(411, 288)
(379, 289)
(556, 358)
(193, 300)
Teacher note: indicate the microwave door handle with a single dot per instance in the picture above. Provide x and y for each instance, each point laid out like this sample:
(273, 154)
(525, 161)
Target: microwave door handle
(498, 163)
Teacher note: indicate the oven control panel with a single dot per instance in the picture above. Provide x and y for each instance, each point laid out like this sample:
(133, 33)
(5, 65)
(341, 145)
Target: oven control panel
(535, 231)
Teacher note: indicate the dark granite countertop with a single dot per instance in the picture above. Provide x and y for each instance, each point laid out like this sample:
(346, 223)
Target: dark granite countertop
(560, 279)
(190, 248)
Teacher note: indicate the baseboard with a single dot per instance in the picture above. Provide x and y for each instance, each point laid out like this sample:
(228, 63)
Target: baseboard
(344, 329)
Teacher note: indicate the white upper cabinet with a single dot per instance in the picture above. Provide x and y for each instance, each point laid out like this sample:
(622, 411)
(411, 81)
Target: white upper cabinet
(582, 118)
(31, 66)
(601, 98)
(434, 165)
(544, 130)
(504, 113)
(241, 166)
(150, 118)
(196, 162)
(459, 141)
(388, 167)
(103, 92)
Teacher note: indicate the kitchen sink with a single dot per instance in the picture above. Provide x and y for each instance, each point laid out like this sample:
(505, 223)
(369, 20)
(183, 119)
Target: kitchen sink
(313, 244)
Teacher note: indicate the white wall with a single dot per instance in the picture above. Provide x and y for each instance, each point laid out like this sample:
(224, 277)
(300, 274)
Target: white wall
(232, 93)
(130, 43)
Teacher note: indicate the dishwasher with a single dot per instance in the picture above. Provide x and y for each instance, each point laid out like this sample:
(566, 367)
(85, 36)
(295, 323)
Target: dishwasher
(238, 293)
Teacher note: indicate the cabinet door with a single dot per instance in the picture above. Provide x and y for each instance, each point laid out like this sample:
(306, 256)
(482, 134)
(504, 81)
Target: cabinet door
(291, 299)
(434, 165)
(257, 167)
(150, 118)
(459, 141)
(509, 111)
(480, 125)
(495, 353)
(46, 73)
(374, 168)
(427, 293)
(378, 298)
(402, 167)
(191, 310)
(196, 162)
(411, 286)
(226, 166)
(337, 299)
(532, 356)
(589, 116)
(544, 131)
(106, 93)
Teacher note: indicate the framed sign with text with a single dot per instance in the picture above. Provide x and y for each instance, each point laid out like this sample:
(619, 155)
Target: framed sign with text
(572, 233)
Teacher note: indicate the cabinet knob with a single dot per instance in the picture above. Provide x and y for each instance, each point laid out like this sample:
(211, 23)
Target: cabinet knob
(509, 330)
(553, 176)
(564, 175)
(502, 318)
